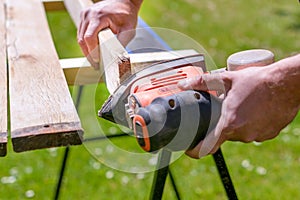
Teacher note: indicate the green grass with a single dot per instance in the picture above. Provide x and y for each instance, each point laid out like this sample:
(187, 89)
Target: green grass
(259, 171)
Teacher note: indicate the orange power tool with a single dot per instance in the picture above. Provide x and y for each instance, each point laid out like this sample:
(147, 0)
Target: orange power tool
(162, 115)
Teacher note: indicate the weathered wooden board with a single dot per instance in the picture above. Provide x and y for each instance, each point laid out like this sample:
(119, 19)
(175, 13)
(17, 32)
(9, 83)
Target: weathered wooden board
(41, 108)
(78, 71)
(115, 61)
(3, 82)
(74, 7)
(141, 60)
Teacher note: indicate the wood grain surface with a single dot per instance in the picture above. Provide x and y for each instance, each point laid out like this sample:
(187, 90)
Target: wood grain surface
(41, 108)
(115, 61)
(3, 82)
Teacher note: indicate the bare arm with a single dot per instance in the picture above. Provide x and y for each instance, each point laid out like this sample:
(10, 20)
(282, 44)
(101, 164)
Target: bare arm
(118, 15)
(259, 103)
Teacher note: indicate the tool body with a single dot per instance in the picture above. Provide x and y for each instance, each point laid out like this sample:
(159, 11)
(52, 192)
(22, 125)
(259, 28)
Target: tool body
(168, 122)
(161, 114)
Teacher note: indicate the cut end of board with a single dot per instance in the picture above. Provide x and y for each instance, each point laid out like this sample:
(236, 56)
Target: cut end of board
(115, 60)
(124, 67)
(3, 144)
(3, 149)
(47, 136)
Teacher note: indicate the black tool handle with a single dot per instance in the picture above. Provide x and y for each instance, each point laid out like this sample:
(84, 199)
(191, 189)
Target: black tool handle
(177, 122)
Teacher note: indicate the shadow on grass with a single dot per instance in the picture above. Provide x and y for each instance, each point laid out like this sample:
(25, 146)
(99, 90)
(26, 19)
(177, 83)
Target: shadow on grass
(295, 25)
(295, 22)
(294, 19)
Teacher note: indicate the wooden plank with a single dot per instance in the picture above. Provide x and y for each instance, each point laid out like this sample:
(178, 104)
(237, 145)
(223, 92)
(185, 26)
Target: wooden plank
(74, 7)
(141, 60)
(114, 58)
(3, 82)
(78, 71)
(41, 108)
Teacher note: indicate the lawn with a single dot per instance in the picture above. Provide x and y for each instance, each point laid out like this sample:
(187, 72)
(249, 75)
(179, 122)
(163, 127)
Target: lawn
(97, 170)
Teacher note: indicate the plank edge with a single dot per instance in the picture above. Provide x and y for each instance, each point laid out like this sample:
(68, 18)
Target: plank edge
(3, 144)
(47, 136)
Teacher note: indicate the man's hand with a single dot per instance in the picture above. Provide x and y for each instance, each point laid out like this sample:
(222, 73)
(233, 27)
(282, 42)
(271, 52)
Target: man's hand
(118, 15)
(259, 103)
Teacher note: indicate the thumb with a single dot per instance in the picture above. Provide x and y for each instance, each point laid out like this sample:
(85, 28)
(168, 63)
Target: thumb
(204, 82)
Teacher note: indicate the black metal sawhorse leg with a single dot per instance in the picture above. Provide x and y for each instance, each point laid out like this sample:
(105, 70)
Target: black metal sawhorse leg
(162, 171)
(224, 175)
(67, 150)
(160, 176)
(61, 174)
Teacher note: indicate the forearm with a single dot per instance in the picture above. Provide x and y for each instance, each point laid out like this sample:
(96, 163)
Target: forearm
(137, 3)
(285, 76)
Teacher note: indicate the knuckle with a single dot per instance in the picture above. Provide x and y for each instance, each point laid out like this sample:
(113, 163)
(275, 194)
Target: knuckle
(84, 13)
(200, 80)
(80, 41)
(88, 37)
(227, 78)
(196, 82)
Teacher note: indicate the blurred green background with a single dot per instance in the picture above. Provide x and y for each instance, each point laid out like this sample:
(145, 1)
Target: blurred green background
(268, 170)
